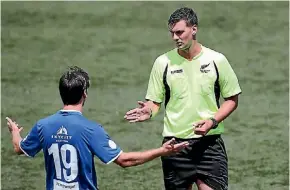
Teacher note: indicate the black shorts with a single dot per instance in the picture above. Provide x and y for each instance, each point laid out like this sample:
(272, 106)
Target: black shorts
(205, 159)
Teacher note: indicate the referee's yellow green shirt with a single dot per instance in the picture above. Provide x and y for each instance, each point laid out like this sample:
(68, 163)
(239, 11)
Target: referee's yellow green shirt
(191, 90)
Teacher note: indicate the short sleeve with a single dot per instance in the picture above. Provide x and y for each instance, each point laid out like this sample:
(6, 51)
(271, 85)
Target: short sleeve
(156, 90)
(103, 146)
(31, 144)
(228, 80)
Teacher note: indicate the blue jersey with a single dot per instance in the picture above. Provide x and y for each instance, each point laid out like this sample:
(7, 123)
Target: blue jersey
(69, 142)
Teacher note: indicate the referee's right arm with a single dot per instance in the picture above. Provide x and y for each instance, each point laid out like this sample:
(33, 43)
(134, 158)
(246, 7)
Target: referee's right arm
(154, 95)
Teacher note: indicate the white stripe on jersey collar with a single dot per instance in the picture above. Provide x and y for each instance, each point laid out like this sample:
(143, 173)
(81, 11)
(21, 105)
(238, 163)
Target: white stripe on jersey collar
(71, 111)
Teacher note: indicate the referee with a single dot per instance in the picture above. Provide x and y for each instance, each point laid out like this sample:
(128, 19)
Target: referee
(189, 80)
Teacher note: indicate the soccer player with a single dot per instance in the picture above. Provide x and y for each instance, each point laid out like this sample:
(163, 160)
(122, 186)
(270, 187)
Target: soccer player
(69, 140)
(189, 80)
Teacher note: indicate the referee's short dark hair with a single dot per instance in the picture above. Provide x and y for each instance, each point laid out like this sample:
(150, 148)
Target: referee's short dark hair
(184, 13)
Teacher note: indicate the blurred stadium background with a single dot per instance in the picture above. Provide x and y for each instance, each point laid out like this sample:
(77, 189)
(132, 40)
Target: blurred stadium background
(117, 42)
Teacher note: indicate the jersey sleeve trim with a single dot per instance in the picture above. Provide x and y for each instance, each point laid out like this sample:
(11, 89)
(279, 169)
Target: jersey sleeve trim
(233, 94)
(24, 151)
(112, 160)
(148, 98)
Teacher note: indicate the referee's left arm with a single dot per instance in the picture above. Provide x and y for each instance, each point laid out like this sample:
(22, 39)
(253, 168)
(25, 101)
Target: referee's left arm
(228, 106)
(230, 89)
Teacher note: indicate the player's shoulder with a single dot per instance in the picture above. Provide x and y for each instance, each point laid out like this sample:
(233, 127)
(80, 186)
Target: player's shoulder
(92, 126)
(91, 123)
(46, 120)
(56, 117)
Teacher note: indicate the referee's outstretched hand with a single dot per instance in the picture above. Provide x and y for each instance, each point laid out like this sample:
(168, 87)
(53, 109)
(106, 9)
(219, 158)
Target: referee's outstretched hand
(142, 113)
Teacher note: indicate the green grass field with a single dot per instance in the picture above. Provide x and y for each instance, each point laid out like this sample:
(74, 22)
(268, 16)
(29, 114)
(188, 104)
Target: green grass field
(117, 42)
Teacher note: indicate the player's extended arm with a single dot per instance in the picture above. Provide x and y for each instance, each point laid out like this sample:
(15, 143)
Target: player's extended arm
(145, 111)
(128, 159)
(15, 132)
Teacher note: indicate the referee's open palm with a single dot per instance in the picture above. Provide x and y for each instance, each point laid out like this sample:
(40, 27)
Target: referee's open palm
(139, 114)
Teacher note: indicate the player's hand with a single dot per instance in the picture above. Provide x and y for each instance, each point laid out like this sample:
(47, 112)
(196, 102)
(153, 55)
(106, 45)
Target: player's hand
(202, 127)
(13, 126)
(170, 147)
(142, 113)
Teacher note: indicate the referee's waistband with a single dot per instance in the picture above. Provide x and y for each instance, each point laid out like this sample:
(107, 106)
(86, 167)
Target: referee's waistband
(186, 139)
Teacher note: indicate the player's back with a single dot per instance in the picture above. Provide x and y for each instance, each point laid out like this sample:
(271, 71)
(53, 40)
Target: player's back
(66, 137)
(69, 142)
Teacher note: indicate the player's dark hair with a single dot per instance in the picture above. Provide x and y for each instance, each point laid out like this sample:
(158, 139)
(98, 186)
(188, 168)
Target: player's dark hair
(72, 85)
(184, 13)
